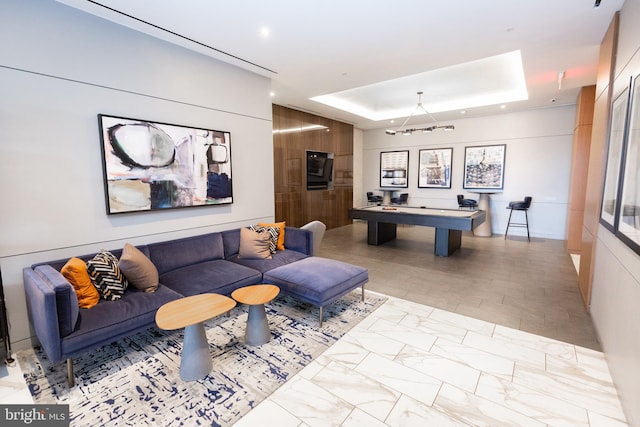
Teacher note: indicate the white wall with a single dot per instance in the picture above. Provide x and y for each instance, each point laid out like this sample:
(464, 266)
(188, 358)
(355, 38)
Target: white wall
(59, 69)
(538, 159)
(615, 297)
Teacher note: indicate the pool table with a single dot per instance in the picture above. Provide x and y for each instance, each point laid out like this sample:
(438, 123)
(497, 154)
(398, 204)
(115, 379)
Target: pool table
(449, 223)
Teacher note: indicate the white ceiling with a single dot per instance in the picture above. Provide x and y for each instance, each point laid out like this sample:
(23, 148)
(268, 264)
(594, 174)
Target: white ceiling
(380, 53)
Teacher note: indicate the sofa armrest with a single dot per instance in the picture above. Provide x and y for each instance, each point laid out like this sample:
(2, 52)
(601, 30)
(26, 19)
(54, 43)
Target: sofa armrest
(299, 240)
(43, 313)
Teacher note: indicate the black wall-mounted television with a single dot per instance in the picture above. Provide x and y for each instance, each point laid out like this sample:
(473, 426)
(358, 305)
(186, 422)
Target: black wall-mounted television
(319, 170)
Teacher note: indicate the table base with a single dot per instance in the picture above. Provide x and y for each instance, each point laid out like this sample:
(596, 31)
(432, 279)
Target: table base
(484, 229)
(196, 360)
(257, 331)
(447, 241)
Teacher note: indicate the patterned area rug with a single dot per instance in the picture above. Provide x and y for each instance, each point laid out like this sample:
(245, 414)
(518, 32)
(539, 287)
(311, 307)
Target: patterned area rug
(136, 381)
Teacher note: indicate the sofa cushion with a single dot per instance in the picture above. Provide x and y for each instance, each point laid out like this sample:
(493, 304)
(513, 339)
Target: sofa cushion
(138, 269)
(278, 259)
(174, 254)
(59, 263)
(117, 319)
(317, 280)
(255, 244)
(218, 276)
(66, 299)
(106, 276)
(75, 271)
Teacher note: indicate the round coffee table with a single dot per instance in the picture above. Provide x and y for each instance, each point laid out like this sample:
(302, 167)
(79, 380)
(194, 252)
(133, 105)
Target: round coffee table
(255, 296)
(190, 313)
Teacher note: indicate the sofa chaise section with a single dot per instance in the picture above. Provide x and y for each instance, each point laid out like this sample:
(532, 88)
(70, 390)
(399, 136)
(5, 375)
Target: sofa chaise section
(318, 281)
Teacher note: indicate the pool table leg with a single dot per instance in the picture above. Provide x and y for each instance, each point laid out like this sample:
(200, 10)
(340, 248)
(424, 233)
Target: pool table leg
(380, 232)
(447, 241)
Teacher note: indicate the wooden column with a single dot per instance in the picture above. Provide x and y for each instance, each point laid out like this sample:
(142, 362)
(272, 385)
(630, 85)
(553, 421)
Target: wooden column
(579, 167)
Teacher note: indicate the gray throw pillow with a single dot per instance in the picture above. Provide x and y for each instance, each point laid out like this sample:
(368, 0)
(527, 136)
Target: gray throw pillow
(254, 245)
(138, 269)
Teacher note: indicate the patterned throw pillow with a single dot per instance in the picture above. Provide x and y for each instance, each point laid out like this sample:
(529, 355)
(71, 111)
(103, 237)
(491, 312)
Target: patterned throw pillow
(106, 276)
(273, 235)
(281, 228)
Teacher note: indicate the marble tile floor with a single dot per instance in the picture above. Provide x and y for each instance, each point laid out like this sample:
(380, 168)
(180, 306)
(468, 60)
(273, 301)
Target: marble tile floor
(409, 364)
(13, 388)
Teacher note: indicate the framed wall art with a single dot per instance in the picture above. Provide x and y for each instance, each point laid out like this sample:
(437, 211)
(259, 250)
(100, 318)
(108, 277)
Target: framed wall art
(628, 223)
(394, 169)
(484, 167)
(434, 168)
(617, 129)
(152, 165)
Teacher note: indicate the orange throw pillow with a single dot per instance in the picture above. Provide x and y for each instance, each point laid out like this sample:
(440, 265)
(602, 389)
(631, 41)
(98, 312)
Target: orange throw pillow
(75, 271)
(280, 226)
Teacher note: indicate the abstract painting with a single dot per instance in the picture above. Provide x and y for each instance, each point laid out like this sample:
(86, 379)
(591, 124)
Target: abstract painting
(152, 165)
(393, 169)
(617, 128)
(629, 206)
(434, 169)
(484, 167)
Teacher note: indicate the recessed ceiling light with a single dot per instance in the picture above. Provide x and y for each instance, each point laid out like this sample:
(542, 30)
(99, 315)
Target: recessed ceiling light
(265, 32)
(488, 81)
(503, 106)
(272, 94)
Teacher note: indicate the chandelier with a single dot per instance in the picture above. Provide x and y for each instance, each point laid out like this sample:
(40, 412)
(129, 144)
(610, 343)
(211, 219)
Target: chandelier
(428, 129)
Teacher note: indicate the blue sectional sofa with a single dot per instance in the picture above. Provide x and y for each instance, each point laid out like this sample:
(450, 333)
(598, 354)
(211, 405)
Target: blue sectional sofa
(187, 266)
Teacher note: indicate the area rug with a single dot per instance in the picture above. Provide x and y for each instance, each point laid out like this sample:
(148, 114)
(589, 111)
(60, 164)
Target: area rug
(136, 381)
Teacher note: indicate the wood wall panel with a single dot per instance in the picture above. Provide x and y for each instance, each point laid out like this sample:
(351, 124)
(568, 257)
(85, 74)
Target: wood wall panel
(293, 202)
(579, 167)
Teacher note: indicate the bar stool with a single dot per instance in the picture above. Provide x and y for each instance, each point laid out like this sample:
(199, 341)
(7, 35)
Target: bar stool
(519, 206)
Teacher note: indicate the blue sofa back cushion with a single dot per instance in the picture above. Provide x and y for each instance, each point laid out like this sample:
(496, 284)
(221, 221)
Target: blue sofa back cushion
(231, 239)
(278, 259)
(116, 319)
(175, 254)
(66, 298)
(58, 264)
(219, 276)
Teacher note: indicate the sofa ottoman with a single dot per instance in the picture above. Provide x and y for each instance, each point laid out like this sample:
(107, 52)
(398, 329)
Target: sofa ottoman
(318, 281)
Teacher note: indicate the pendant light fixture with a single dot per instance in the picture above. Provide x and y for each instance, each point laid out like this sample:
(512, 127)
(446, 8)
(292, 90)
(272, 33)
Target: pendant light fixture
(424, 130)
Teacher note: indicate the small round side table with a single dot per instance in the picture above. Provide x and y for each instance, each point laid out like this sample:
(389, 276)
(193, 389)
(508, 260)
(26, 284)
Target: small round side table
(256, 296)
(190, 313)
